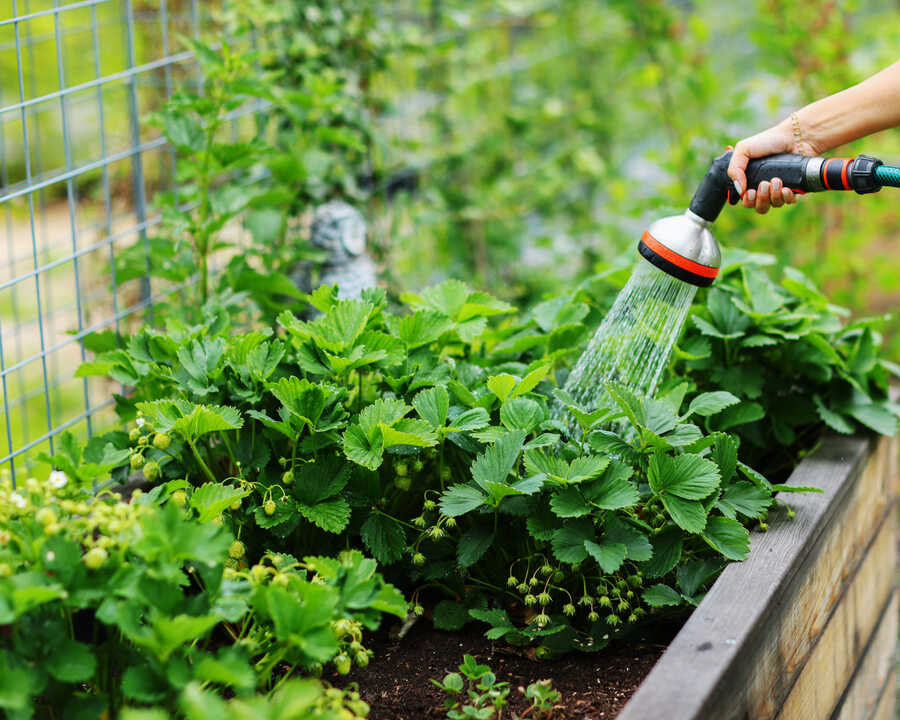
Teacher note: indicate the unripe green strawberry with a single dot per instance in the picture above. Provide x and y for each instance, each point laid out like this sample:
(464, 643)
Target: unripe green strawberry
(530, 599)
(542, 620)
(418, 466)
(362, 659)
(161, 441)
(134, 434)
(288, 477)
(430, 505)
(269, 507)
(593, 616)
(401, 468)
(236, 505)
(95, 558)
(612, 619)
(418, 610)
(402, 483)
(280, 579)
(342, 664)
(237, 550)
(542, 652)
(137, 461)
(569, 609)
(151, 470)
(512, 581)
(418, 559)
(544, 598)
(5, 570)
(179, 498)
(45, 516)
(450, 522)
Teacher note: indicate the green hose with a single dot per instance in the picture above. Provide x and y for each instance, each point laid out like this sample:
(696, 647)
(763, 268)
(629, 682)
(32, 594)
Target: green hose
(888, 175)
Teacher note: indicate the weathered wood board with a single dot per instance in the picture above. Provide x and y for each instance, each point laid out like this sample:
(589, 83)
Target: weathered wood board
(792, 632)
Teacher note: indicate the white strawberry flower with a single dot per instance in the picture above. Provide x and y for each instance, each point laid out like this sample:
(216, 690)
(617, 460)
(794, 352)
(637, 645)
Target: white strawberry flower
(18, 501)
(58, 479)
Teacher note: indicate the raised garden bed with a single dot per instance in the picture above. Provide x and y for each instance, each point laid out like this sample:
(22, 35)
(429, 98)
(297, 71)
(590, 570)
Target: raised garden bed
(806, 627)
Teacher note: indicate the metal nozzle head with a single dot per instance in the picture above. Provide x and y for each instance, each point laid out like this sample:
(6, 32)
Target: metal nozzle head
(683, 247)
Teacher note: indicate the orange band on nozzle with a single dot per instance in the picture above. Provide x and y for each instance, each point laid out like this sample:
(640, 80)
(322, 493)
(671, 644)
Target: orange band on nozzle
(676, 259)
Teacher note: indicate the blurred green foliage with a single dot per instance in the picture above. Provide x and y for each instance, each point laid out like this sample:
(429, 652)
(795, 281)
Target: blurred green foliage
(546, 135)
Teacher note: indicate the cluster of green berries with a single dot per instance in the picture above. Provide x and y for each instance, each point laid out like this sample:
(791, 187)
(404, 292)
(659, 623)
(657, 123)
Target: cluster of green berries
(348, 633)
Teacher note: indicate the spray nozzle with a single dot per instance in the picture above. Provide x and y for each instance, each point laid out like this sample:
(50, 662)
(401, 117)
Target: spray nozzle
(798, 172)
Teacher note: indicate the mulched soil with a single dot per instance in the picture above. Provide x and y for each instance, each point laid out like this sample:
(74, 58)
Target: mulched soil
(594, 686)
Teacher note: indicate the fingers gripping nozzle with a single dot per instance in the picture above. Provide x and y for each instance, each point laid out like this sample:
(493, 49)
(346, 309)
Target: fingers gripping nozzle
(798, 172)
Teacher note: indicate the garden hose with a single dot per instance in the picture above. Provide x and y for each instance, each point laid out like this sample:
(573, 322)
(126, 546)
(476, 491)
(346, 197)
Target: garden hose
(684, 247)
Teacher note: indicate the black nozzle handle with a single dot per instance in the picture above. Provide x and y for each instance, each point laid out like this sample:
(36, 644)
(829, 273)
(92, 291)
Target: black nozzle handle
(801, 173)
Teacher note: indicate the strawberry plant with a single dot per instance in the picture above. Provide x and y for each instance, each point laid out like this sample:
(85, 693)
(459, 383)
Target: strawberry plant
(424, 435)
(105, 603)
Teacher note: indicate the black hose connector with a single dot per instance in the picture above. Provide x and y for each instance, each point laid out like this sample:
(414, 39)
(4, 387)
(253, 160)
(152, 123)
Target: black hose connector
(862, 172)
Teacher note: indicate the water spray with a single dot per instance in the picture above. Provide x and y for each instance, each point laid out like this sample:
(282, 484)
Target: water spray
(634, 341)
(684, 247)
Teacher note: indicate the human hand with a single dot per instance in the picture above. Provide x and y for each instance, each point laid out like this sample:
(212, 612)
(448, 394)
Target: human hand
(777, 139)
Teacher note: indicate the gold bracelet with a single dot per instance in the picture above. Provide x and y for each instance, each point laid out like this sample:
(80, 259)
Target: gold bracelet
(798, 136)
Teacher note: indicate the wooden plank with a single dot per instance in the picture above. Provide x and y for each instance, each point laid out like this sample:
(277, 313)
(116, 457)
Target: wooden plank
(841, 645)
(874, 675)
(750, 637)
(886, 709)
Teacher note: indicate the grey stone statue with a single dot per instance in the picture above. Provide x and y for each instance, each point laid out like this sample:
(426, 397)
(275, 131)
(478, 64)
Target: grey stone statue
(340, 230)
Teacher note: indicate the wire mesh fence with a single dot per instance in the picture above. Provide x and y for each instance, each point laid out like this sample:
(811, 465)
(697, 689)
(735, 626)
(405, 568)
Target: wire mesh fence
(77, 167)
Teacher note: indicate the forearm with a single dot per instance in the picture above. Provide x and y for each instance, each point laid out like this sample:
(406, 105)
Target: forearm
(870, 106)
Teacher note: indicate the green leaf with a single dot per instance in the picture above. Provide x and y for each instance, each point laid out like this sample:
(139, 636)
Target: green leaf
(449, 615)
(740, 414)
(725, 456)
(569, 503)
(689, 515)
(637, 545)
(182, 130)
(473, 544)
(694, 574)
(141, 683)
(502, 385)
(667, 547)
(470, 420)
(384, 411)
(320, 480)
(585, 468)
(531, 380)
(614, 490)
(339, 328)
(609, 555)
(495, 464)
(189, 420)
(460, 499)
(384, 538)
(362, 451)
(569, 541)
(416, 433)
(330, 515)
(688, 476)
(301, 398)
(835, 421)
(874, 417)
(230, 668)
(745, 498)
(71, 661)
(421, 328)
(211, 499)
(727, 536)
(447, 298)
(170, 633)
(433, 405)
(521, 413)
(710, 403)
(661, 595)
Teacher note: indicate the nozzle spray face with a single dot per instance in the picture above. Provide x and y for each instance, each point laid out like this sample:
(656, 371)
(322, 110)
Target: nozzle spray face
(683, 247)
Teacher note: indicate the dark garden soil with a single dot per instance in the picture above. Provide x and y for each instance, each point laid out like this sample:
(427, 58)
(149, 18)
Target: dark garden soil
(397, 686)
